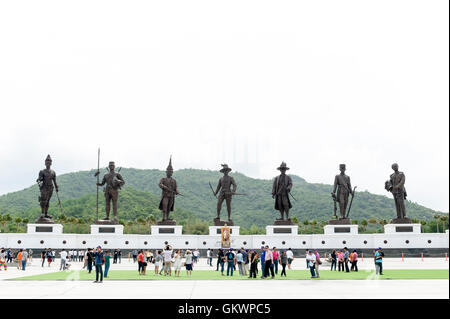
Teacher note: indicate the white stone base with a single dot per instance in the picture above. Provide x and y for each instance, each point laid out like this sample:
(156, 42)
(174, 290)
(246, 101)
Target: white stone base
(44, 228)
(340, 229)
(281, 230)
(402, 228)
(167, 230)
(107, 229)
(215, 230)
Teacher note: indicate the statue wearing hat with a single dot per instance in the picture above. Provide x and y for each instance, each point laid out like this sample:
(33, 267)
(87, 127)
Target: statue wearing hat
(396, 185)
(169, 190)
(46, 179)
(227, 187)
(344, 189)
(114, 181)
(282, 186)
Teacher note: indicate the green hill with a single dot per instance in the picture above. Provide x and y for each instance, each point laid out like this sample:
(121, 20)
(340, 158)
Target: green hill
(140, 198)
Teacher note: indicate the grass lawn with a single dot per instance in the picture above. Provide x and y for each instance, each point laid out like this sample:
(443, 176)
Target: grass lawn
(214, 275)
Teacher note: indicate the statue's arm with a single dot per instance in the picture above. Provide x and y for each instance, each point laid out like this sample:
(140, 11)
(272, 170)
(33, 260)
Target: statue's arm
(40, 177)
(335, 185)
(401, 183)
(176, 188)
(161, 185)
(54, 182)
(349, 185)
(289, 185)
(102, 182)
(121, 179)
(234, 185)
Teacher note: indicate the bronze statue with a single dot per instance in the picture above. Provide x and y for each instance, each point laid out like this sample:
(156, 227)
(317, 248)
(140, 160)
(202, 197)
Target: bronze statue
(227, 187)
(169, 190)
(344, 189)
(281, 189)
(46, 179)
(114, 181)
(396, 185)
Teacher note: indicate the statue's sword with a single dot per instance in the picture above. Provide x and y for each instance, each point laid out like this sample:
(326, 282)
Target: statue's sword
(212, 190)
(351, 201)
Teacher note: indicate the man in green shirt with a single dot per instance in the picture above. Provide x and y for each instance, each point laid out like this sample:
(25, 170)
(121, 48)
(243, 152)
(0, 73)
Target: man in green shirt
(107, 263)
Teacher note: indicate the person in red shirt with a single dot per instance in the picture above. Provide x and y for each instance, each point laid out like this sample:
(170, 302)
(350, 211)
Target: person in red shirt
(142, 265)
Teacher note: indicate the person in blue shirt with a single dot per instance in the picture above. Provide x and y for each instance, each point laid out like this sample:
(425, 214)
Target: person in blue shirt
(378, 257)
(263, 260)
(231, 261)
(98, 261)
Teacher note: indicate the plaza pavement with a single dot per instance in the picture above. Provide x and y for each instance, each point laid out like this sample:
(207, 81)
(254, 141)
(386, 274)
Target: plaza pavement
(211, 289)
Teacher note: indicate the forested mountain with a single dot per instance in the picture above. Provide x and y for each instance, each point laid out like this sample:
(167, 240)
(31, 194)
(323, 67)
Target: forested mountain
(140, 198)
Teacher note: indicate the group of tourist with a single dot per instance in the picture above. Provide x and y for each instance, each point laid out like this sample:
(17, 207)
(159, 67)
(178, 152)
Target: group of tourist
(247, 261)
(341, 258)
(167, 260)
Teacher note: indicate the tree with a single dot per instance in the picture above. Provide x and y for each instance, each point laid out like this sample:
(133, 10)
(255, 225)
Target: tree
(437, 217)
(18, 220)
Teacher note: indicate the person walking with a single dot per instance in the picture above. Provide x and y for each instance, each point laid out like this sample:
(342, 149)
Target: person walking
(231, 261)
(24, 258)
(268, 263)
(177, 263)
(140, 259)
(354, 261)
(346, 259)
(209, 256)
(168, 251)
(378, 257)
(90, 259)
(221, 260)
(318, 263)
(276, 259)
(283, 261)
(246, 261)
(340, 259)
(19, 259)
(263, 261)
(188, 264)
(253, 264)
(63, 256)
(43, 257)
(240, 262)
(290, 257)
(99, 260)
(311, 259)
(158, 262)
(333, 260)
(107, 263)
(115, 256)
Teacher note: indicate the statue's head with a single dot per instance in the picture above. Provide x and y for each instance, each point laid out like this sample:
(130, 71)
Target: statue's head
(395, 167)
(111, 166)
(225, 169)
(342, 168)
(169, 169)
(283, 168)
(48, 161)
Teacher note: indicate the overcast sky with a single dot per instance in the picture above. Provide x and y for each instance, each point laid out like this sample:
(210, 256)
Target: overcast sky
(249, 83)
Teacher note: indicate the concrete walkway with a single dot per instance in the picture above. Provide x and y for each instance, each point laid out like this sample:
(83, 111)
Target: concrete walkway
(294, 289)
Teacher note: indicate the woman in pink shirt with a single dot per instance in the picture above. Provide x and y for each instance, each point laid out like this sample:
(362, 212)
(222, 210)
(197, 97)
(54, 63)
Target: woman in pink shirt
(340, 257)
(276, 259)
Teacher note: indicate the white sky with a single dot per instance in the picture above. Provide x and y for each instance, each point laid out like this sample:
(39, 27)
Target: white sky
(313, 83)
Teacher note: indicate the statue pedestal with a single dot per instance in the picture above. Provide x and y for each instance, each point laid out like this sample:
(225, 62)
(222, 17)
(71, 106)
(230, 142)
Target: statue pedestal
(282, 230)
(173, 230)
(109, 229)
(340, 229)
(402, 228)
(215, 230)
(405, 220)
(218, 222)
(44, 228)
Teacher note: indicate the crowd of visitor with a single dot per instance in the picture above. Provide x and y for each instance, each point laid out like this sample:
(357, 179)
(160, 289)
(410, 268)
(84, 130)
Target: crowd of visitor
(266, 262)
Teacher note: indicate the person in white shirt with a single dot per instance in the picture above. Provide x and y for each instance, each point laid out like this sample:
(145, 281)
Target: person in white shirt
(290, 257)
(167, 254)
(63, 255)
(311, 259)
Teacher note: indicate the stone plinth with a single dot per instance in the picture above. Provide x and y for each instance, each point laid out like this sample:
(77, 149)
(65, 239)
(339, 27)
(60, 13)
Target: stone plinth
(405, 220)
(169, 222)
(282, 230)
(402, 228)
(107, 222)
(287, 222)
(110, 229)
(44, 228)
(218, 222)
(340, 229)
(340, 221)
(44, 220)
(215, 230)
(174, 230)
